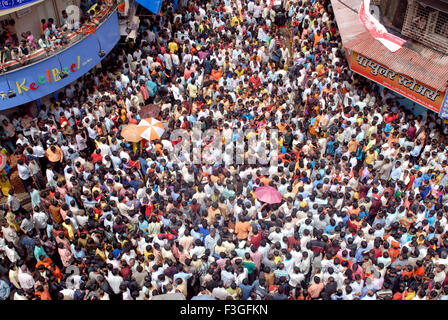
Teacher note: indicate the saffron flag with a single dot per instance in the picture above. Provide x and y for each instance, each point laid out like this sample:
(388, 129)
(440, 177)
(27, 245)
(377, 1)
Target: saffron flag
(121, 5)
(377, 30)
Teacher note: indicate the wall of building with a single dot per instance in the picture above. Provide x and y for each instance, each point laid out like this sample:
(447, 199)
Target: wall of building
(394, 10)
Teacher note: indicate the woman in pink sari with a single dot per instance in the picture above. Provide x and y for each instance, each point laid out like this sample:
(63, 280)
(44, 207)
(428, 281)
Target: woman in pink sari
(65, 254)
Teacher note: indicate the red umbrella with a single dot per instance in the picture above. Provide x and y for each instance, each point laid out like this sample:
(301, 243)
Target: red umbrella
(150, 111)
(268, 194)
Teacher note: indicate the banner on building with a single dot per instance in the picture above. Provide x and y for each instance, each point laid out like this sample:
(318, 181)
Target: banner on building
(9, 4)
(407, 86)
(43, 78)
(444, 109)
(377, 30)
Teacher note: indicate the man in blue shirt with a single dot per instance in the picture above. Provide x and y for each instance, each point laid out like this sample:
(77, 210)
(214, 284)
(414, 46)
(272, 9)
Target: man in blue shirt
(418, 180)
(329, 229)
(246, 289)
(5, 290)
(247, 115)
(182, 274)
(204, 231)
(359, 253)
(330, 146)
(152, 87)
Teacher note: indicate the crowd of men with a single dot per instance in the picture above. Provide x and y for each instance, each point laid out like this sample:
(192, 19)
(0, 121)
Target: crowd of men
(363, 210)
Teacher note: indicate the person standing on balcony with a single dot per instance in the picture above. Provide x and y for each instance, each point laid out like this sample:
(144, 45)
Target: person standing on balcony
(10, 26)
(85, 6)
(5, 56)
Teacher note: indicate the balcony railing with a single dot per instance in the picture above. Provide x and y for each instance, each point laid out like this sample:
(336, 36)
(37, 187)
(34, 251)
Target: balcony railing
(72, 38)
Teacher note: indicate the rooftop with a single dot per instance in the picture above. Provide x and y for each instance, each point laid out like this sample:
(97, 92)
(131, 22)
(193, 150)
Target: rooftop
(413, 59)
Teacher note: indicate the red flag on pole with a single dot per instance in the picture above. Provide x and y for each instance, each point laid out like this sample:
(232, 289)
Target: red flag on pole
(377, 30)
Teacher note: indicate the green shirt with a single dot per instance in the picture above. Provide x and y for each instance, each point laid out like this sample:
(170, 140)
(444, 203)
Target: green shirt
(250, 266)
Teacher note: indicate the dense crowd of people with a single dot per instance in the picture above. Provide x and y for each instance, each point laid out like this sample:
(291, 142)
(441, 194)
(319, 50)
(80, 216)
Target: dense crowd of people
(363, 209)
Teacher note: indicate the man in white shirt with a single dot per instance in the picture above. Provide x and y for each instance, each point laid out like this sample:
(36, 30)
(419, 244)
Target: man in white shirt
(24, 174)
(26, 280)
(114, 280)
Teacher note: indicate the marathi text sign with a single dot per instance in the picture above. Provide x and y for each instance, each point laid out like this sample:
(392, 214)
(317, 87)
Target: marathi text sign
(408, 87)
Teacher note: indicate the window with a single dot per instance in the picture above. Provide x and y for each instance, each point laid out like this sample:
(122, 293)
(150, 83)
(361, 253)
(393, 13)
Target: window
(442, 25)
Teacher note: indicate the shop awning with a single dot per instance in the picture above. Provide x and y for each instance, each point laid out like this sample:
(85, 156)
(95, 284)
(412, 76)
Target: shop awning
(424, 64)
(152, 5)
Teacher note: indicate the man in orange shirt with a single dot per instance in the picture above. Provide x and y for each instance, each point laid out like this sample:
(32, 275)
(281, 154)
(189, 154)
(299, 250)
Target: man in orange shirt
(353, 144)
(419, 269)
(55, 156)
(45, 261)
(216, 73)
(242, 229)
(212, 212)
(317, 37)
(265, 180)
(42, 292)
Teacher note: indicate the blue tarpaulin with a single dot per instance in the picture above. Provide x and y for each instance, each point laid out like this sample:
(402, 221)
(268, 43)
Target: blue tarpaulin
(175, 5)
(152, 5)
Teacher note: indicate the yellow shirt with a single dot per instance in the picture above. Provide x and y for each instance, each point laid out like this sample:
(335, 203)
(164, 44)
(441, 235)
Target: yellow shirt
(96, 189)
(173, 46)
(227, 65)
(370, 157)
(147, 254)
(239, 73)
(101, 254)
(370, 131)
(70, 230)
(277, 259)
(371, 143)
(410, 295)
(235, 19)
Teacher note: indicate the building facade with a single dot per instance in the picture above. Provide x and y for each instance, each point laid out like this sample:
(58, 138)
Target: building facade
(419, 69)
(44, 72)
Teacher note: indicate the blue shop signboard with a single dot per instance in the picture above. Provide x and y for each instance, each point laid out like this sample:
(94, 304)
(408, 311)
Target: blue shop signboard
(43, 78)
(8, 4)
(444, 109)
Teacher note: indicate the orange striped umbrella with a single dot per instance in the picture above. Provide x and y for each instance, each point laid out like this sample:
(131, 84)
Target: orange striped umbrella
(152, 128)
